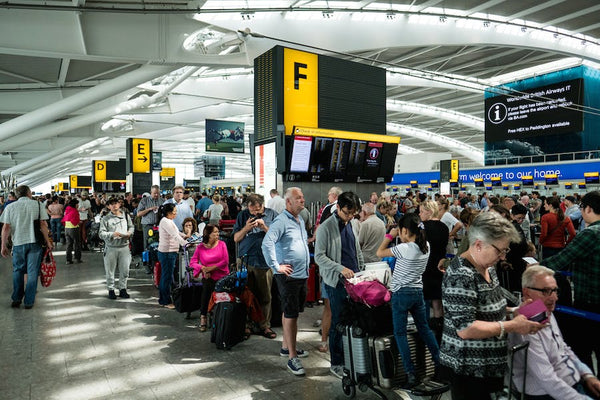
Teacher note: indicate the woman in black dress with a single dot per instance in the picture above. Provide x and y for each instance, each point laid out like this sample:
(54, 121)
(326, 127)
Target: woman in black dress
(437, 235)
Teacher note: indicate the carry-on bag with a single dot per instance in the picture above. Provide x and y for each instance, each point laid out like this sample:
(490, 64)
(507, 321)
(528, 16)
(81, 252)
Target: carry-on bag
(228, 324)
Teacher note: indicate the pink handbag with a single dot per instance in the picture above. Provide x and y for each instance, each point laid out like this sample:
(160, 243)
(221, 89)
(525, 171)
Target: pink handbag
(372, 293)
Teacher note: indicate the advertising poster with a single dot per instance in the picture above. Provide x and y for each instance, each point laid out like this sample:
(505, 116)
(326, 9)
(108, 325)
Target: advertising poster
(224, 136)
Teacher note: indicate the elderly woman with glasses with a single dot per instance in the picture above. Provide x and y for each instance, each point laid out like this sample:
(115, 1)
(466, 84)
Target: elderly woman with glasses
(474, 337)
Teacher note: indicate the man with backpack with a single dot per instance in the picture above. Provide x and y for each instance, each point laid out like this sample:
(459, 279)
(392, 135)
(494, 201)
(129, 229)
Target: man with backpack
(116, 228)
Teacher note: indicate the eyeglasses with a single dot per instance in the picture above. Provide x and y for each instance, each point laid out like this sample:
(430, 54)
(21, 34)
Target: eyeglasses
(346, 212)
(546, 291)
(500, 251)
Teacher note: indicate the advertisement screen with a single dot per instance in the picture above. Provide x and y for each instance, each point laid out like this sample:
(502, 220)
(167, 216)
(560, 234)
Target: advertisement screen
(224, 136)
(545, 110)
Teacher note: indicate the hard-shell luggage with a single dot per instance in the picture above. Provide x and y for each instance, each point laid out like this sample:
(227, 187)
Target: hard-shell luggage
(357, 358)
(228, 324)
(388, 370)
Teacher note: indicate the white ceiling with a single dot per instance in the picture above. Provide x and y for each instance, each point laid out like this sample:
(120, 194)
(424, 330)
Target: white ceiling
(68, 67)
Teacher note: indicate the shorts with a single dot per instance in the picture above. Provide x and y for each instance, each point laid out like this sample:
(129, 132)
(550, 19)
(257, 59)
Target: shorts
(292, 292)
(323, 291)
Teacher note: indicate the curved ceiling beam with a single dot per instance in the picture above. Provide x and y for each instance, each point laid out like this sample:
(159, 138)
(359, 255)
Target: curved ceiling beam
(35, 163)
(424, 31)
(61, 108)
(403, 149)
(436, 112)
(465, 150)
(80, 121)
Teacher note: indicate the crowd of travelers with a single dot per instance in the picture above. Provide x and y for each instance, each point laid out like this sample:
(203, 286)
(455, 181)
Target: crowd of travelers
(458, 264)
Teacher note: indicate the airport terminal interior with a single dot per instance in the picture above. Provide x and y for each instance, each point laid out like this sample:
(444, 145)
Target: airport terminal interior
(478, 96)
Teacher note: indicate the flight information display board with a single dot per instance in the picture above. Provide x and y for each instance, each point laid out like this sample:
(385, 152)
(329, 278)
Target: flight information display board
(323, 155)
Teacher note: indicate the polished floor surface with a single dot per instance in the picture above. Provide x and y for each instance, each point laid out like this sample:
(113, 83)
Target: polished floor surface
(77, 344)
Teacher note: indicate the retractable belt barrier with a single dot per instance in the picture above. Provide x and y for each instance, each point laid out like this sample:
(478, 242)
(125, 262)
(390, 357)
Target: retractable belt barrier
(578, 313)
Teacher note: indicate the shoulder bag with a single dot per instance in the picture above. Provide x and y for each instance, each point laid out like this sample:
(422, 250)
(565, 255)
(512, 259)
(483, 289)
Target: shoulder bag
(47, 269)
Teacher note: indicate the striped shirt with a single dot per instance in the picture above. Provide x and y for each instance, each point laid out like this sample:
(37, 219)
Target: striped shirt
(410, 265)
(468, 297)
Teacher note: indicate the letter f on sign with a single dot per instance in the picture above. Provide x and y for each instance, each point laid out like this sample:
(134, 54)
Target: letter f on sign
(298, 75)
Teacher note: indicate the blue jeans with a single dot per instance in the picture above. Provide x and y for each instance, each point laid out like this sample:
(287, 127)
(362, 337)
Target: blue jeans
(56, 227)
(27, 259)
(405, 300)
(167, 265)
(336, 295)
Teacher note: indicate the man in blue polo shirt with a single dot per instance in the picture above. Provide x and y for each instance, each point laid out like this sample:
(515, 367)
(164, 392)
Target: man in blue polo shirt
(285, 247)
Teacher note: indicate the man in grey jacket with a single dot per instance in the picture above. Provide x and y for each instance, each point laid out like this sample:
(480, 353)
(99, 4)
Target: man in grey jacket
(338, 254)
(116, 228)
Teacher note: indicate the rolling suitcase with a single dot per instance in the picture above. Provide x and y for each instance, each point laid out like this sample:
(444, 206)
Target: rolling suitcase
(228, 324)
(357, 359)
(388, 370)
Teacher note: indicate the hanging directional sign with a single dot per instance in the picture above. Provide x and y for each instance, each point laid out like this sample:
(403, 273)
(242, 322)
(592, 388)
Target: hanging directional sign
(139, 155)
(99, 171)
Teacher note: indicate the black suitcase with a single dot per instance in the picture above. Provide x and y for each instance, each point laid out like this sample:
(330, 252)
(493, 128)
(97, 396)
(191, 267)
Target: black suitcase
(388, 370)
(228, 324)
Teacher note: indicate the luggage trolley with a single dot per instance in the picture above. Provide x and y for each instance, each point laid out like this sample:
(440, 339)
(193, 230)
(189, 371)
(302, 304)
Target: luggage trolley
(187, 295)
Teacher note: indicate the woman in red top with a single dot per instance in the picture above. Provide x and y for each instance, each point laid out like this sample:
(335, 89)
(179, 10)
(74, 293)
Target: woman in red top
(210, 260)
(555, 225)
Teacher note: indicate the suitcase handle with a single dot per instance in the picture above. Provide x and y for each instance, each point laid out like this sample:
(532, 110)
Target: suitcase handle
(512, 351)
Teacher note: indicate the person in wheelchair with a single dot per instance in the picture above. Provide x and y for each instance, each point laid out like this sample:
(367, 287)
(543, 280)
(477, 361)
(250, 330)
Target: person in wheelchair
(553, 370)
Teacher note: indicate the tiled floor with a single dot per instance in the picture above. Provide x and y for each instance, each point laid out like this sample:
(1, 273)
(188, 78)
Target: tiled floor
(77, 344)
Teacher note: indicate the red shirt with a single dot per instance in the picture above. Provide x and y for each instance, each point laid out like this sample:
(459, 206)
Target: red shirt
(553, 236)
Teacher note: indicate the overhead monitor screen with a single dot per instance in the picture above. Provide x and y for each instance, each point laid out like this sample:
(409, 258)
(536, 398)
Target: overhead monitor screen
(454, 184)
(301, 149)
(496, 182)
(544, 110)
(434, 184)
(414, 184)
(323, 155)
(479, 183)
(551, 180)
(527, 180)
(591, 178)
